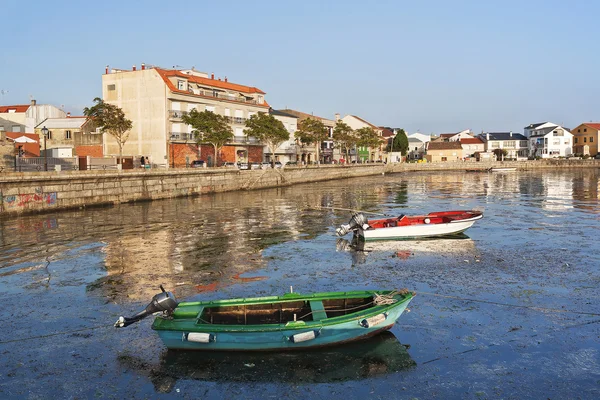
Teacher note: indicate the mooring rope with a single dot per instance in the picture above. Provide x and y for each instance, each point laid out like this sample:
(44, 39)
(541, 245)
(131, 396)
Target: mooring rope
(54, 334)
(536, 308)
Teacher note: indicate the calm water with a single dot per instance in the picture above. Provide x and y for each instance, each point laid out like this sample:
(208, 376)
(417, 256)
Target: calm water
(509, 311)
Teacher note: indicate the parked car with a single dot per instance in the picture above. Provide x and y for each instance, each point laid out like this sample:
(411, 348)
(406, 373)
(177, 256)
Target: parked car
(291, 163)
(255, 165)
(265, 165)
(243, 166)
(278, 164)
(197, 164)
(229, 164)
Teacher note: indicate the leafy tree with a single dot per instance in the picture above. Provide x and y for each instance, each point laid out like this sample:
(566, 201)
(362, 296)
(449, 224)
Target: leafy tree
(500, 153)
(311, 130)
(110, 119)
(344, 136)
(267, 129)
(209, 128)
(367, 137)
(399, 142)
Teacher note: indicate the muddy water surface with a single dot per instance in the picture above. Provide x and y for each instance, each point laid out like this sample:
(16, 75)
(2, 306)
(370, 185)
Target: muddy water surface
(511, 310)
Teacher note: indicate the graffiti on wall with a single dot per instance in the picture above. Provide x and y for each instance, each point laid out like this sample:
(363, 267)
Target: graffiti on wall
(29, 200)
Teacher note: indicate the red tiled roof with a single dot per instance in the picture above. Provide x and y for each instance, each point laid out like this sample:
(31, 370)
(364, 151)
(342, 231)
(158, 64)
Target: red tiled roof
(447, 135)
(165, 74)
(594, 125)
(443, 146)
(17, 108)
(386, 133)
(471, 141)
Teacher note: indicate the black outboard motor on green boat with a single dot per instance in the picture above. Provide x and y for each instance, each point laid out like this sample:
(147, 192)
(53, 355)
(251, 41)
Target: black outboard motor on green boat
(358, 220)
(164, 301)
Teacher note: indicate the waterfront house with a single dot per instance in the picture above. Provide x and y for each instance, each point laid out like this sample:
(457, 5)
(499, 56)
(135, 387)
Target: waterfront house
(71, 136)
(24, 118)
(363, 153)
(155, 99)
(548, 140)
(454, 137)
(515, 144)
(286, 151)
(444, 151)
(471, 146)
(585, 138)
(417, 143)
(307, 152)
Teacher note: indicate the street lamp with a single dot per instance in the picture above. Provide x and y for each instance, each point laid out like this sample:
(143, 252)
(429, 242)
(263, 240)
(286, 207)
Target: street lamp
(45, 133)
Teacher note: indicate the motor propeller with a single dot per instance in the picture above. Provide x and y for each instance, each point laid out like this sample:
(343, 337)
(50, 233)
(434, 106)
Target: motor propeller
(162, 302)
(357, 220)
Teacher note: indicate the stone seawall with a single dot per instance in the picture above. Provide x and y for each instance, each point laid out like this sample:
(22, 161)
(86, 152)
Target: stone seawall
(48, 191)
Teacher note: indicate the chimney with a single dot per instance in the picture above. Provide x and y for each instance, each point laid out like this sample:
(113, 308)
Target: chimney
(219, 78)
(106, 70)
(510, 133)
(225, 79)
(337, 116)
(33, 102)
(68, 115)
(143, 66)
(212, 76)
(487, 136)
(133, 68)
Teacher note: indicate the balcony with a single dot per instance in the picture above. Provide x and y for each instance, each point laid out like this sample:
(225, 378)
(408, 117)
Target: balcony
(236, 120)
(245, 140)
(181, 136)
(176, 114)
(223, 96)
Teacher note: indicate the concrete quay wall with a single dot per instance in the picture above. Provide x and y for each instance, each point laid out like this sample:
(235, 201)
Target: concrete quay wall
(48, 191)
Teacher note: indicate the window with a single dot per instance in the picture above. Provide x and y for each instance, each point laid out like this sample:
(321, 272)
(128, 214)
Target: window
(578, 130)
(210, 108)
(67, 134)
(592, 139)
(49, 135)
(584, 139)
(16, 128)
(585, 129)
(227, 112)
(575, 140)
(180, 85)
(111, 87)
(509, 143)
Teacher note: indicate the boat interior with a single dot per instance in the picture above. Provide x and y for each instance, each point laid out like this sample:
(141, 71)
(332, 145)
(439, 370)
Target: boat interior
(283, 312)
(431, 218)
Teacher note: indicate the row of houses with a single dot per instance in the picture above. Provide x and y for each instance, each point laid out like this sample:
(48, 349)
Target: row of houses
(540, 140)
(156, 99)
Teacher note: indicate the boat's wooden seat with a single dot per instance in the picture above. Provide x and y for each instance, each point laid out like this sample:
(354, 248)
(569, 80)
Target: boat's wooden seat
(318, 311)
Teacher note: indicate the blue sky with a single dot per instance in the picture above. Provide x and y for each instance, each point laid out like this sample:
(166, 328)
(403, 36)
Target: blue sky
(428, 66)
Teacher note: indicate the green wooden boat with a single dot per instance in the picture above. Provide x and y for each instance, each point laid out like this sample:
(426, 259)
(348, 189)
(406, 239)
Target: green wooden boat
(288, 322)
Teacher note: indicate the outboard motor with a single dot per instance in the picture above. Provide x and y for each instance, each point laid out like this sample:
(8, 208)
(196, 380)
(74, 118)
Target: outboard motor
(164, 301)
(358, 220)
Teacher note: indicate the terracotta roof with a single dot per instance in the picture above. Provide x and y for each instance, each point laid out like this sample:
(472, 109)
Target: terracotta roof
(165, 74)
(471, 141)
(17, 108)
(593, 125)
(386, 133)
(447, 135)
(301, 114)
(444, 146)
(15, 135)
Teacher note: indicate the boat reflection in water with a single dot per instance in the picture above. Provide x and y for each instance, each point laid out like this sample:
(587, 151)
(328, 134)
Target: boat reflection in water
(458, 243)
(379, 355)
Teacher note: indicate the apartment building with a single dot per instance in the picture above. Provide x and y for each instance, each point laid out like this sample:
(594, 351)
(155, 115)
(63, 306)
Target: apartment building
(307, 153)
(368, 154)
(286, 151)
(515, 144)
(155, 99)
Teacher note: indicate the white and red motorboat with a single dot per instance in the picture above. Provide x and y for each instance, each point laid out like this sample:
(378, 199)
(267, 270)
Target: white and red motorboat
(434, 224)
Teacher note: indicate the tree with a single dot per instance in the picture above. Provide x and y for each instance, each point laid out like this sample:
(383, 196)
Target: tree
(344, 136)
(209, 128)
(268, 130)
(500, 154)
(367, 137)
(110, 119)
(311, 130)
(399, 142)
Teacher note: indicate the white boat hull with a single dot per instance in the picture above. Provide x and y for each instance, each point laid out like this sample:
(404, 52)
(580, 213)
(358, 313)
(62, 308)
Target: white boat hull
(420, 230)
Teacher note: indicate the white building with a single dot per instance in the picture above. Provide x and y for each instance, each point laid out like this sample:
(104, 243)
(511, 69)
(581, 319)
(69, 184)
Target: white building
(24, 118)
(548, 140)
(286, 152)
(417, 146)
(515, 144)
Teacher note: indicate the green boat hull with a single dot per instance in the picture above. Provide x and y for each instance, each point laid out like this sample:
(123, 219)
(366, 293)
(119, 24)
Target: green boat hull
(289, 322)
